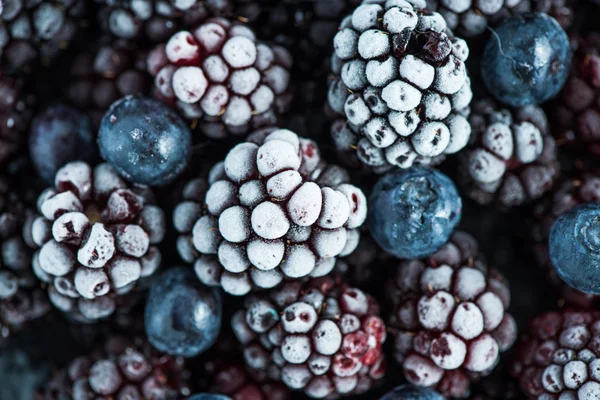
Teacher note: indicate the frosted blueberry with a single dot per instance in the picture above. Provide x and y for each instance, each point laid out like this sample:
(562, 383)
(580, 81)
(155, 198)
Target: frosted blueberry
(410, 392)
(208, 396)
(182, 316)
(527, 60)
(413, 212)
(144, 140)
(574, 246)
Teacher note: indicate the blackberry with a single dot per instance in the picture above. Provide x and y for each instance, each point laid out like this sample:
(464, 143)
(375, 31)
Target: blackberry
(21, 299)
(558, 356)
(220, 74)
(272, 210)
(16, 111)
(401, 84)
(153, 21)
(320, 336)
(101, 77)
(449, 320)
(97, 238)
(576, 112)
(580, 189)
(31, 30)
(511, 158)
(122, 369)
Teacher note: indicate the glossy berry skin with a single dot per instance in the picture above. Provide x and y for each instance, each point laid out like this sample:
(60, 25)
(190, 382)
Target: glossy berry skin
(208, 396)
(527, 60)
(182, 316)
(410, 392)
(575, 247)
(413, 212)
(59, 135)
(144, 140)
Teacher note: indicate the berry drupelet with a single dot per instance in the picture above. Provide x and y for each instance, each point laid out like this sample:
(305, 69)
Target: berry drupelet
(413, 212)
(575, 247)
(16, 111)
(32, 30)
(576, 110)
(58, 135)
(558, 356)
(401, 86)
(527, 60)
(21, 298)
(145, 141)
(449, 320)
(511, 158)
(122, 369)
(101, 77)
(220, 74)
(97, 237)
(182, 316)
(273, 210)
(572, 191)
(320, 336)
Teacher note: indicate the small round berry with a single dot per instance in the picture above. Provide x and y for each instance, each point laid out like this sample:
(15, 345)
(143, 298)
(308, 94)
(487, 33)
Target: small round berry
(410, 392)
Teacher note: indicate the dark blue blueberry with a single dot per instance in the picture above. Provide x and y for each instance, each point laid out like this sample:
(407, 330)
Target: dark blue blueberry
(527, 60)
(182, 316)
(410, 392)
(575, 247)
(146, 141)
(59, 135)
(413, 212)
(208, 396)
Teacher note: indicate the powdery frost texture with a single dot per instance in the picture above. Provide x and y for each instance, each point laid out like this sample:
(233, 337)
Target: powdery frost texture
(401, 86)
(272, 210)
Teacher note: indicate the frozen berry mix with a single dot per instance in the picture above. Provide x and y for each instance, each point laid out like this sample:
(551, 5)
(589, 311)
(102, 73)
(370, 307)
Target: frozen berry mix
(449, 320)
(321, 337)
(401, 86)
(272, 211)
(97, 237)
(220, 74)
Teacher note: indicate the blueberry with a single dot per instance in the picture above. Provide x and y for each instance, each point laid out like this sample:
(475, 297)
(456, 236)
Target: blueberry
(182, 316)
(413, 212)
(59, 135)
(147, 142)
(527, 59)
(575, 247)
(208, 396)
(410, 392)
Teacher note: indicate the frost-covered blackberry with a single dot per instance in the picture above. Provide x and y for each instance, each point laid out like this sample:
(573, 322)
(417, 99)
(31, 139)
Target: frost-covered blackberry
(273, 210)
(220, 74)
(449, 319)
(16, 111)
(401, 86)
(321, 337)
(31, 30)
(511, 157)
(97, 238)
(21, 298)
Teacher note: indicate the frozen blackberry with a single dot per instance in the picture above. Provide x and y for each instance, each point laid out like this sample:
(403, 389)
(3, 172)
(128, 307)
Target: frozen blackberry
(401, 84)
(449, 320)
(220, 74)
(31, 30)
(153, 21)
(234, 381)
(101, 77)
(16, 111)
(321, 337)
(21, 299)
(576, 110)
(558, 356)
(472, 17)
(272, 210)
(511, 157)
(122, 369)
(571, 192)
(97, 238)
